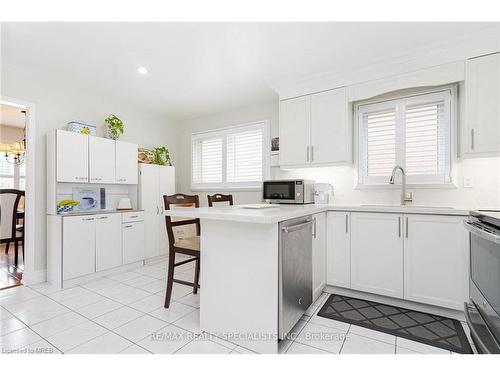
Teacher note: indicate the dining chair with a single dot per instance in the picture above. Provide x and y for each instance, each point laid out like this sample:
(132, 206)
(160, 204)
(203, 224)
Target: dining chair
(219, 198)
(10, 231)
(188, 246)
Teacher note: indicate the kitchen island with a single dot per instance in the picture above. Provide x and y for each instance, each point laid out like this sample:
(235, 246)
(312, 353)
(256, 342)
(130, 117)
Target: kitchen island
(240, 266)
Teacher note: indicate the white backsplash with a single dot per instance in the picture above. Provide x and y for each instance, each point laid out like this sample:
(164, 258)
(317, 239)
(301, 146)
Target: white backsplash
(485, 193)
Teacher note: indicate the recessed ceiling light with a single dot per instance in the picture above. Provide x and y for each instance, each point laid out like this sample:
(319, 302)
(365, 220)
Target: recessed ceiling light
(142, 70)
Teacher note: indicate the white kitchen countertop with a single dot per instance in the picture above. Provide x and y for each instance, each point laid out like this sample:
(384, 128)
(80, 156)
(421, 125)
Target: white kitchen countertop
(97, 212)
(285, 212)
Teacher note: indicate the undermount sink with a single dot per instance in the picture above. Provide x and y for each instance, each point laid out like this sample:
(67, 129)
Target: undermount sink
(399, 206)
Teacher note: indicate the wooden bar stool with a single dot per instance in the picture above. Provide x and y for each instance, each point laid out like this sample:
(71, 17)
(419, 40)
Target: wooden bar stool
(187, 246)
(219, 198)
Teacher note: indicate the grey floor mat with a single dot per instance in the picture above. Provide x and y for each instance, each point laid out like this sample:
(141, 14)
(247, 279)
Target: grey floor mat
(426, 328)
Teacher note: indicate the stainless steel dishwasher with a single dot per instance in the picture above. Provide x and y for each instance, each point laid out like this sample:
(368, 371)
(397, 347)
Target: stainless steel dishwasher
(295, 271)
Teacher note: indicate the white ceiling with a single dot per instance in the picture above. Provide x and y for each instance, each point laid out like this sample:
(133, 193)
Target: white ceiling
(12, 116)
(202, 68)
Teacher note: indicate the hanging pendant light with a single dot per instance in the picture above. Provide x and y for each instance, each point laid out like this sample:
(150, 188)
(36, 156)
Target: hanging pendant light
(14, 153)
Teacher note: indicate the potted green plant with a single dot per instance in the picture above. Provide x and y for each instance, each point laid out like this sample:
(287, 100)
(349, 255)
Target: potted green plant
(114, 127)
(162, 156)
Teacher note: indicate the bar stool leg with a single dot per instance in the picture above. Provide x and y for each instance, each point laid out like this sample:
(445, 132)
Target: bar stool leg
(170, 279)
(196, 276)
(16, 252)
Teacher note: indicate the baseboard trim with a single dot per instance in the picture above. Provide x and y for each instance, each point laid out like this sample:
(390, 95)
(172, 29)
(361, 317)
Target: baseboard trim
(155, 259)
(34, 277)
(430, 309)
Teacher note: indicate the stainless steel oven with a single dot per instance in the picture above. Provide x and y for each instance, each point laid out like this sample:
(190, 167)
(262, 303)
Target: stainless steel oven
(483, 310)
(288, 191)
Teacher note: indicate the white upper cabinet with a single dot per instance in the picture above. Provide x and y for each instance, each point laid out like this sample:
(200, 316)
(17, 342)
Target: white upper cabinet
(294, 131)
(338, 250)
(483, 105)
(80, 158)
(126, 163)
(330, 130)
(72, 158)
(315, 129)
(436, 260)
(377, 253)
(101, 160)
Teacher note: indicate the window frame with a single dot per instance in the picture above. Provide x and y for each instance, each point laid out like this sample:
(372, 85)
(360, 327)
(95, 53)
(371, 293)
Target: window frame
(263, 125)
(408, 98)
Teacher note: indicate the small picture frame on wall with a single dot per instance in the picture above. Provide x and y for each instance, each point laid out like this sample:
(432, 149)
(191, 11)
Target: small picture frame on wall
(275, 144)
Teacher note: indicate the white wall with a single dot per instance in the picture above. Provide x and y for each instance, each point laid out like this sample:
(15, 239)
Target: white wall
(261, 111)
(57, 101)
(485, 193)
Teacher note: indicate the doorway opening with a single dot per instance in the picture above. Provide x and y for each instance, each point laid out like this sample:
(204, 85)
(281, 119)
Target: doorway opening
(13, 181)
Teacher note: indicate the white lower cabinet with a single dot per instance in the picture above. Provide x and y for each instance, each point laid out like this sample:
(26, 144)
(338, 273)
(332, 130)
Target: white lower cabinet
(338, 255)
(420, 258)
(78, 246)
(377, 253)
(93, 243)
(108, 241)
(319, 254)
(132, 242)
(436, 260)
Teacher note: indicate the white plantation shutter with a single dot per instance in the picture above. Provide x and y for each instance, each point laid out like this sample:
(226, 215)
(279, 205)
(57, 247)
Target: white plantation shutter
(412, 132)
(230, 157)
(244, 156)
(207, 160)
(6, 174)
(426, 139)
(380, 128)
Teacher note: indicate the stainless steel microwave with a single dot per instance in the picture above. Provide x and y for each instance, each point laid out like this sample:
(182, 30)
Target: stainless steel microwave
(288, 191)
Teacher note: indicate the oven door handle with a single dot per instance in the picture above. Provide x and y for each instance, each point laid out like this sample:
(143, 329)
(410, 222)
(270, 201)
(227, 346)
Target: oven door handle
(481, 347)
(481, 233)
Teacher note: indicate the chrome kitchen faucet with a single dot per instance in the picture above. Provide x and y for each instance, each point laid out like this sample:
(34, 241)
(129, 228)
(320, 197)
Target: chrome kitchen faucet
(404, 197)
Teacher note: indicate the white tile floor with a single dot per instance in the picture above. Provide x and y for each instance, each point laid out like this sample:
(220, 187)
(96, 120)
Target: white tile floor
(123, 313)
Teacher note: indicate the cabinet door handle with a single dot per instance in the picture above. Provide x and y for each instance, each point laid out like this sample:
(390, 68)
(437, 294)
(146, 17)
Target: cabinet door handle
(406, 227)
(314, 227)
(472, 139)
(312, 153)
(133, 216)
(347, 223)
(89, 219)
(127, 226)
(307, 153)
(157, 210)
(399, 226)
(161, 210)
(102, 217)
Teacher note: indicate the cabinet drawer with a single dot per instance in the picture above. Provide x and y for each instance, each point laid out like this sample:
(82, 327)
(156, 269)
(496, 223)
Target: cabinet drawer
(131, 217)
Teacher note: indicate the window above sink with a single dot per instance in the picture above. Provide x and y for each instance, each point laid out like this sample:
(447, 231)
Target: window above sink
(414, 132)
